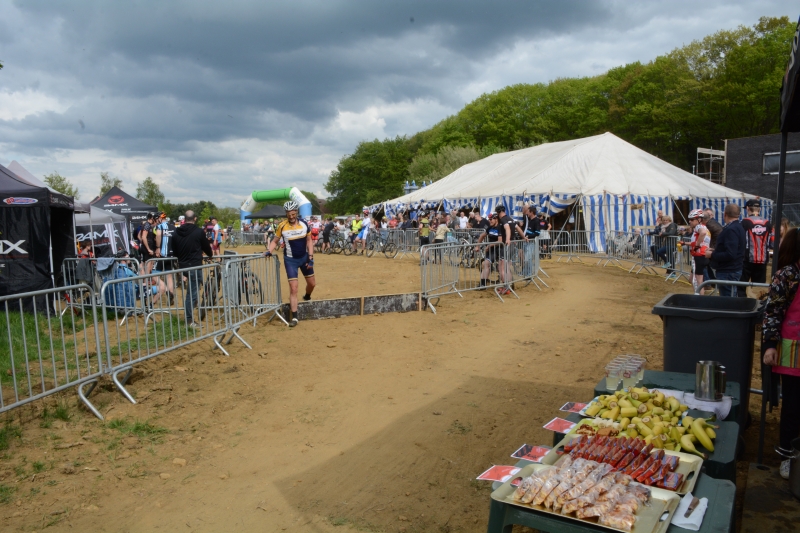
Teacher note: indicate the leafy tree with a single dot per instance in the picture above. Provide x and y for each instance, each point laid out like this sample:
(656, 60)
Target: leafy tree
(374, 172)
(61, 184)
(433, 167)
(149, 192)
(107, 183)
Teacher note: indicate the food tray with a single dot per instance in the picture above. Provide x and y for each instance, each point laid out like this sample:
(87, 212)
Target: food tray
(654, 518)
(582, 412)
(689, 464)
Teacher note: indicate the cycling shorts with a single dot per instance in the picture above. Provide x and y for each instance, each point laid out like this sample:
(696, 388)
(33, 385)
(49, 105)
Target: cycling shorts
(293, 264)
(363, 234)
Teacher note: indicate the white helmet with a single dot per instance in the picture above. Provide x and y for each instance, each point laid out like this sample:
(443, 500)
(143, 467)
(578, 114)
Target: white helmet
(290, 206)
(697, 213)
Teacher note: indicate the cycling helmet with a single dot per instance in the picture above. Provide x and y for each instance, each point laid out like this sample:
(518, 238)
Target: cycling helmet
(697, 213)
(290, 206)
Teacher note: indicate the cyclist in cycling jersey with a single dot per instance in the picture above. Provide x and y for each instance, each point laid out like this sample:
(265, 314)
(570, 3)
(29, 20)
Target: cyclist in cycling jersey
(298, 254)
(366, 225)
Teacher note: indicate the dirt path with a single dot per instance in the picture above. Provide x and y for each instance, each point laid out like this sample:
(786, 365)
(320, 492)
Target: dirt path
(375, 423)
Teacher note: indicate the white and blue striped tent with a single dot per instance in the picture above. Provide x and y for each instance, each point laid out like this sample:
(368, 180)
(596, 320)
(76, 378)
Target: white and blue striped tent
(615, 185)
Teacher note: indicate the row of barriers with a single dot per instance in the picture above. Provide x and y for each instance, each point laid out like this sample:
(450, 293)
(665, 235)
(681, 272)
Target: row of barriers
(71, 336)
(457, 267)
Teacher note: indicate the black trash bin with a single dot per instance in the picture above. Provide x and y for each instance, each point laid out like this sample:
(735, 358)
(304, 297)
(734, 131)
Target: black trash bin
(711, 328)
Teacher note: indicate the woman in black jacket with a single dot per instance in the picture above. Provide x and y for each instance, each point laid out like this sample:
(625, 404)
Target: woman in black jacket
(663, 248)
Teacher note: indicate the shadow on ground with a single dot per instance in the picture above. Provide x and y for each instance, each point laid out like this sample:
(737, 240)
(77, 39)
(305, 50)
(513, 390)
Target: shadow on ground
(419, 473)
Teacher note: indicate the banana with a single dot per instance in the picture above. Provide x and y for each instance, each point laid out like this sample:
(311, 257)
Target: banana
(642, 408)
(632, 433)
(635, 420)
(669, 446)
(649, 439)
(650, 405)
(611, 414)
(658, 411)
(612, 404)
(628, 412)
(686, 444)
(711, 432)
(624, 402)
(657, 442)
(593, 409)
(674, 434)
(702, 436)
(684, 407)
(634, 403)
(674, 404)
(658, 429)
(625, 422)
(641, 396)
(644, 429)
(620, 394)
(655, 418)
(658, 401)
(681, 430)
(687, 421)
(647, 421)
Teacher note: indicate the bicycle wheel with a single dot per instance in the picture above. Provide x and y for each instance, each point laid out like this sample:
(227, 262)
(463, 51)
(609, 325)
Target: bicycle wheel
(347, 249)
(390, 250)
(252, 292)
(209, 298)
(370, 248)
(336, 247)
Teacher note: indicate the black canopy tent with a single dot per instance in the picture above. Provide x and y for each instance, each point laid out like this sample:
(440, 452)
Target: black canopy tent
(790, 123)
(118, 201)
(36, 234)
(268, 211)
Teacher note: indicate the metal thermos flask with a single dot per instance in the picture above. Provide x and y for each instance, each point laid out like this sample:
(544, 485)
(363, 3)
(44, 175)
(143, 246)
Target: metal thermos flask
(710, 381)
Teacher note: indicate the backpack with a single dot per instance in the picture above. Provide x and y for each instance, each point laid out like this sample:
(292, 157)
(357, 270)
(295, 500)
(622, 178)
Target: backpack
(122, 295)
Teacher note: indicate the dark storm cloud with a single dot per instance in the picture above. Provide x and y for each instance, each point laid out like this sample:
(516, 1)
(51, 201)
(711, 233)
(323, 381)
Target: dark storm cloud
(296, 84)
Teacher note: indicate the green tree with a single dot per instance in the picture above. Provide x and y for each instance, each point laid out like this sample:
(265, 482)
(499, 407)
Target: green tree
(433, 167)
(375, 172)
(149, 192)
(61, 184)
(107, 183)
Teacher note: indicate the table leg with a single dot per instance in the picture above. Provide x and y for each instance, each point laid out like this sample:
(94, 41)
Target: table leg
(497, 517)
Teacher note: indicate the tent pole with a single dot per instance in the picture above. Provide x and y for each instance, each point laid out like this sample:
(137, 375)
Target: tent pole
(767, 385)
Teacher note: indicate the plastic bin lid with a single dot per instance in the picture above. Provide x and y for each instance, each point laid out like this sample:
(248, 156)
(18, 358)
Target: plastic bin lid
(706, 307)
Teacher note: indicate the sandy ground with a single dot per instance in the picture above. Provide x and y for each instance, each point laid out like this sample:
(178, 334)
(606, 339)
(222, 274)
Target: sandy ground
(374, 423)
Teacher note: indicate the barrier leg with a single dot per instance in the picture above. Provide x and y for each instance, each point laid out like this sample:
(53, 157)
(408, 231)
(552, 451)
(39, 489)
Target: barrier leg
(120, 384)
(84, 397)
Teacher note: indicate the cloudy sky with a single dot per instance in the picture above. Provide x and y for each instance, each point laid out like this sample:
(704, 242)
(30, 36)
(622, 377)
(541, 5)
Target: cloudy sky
(217, 99)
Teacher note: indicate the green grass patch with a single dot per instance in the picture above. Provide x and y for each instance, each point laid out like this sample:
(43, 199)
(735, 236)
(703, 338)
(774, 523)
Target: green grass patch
(143, 430)
(7, 434)
(6, 492)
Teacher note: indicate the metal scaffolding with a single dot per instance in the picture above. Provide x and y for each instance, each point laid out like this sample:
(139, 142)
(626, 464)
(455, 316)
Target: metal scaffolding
(711, 165)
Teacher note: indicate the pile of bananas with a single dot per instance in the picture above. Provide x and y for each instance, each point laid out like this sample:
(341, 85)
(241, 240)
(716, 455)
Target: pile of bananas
(654, 417)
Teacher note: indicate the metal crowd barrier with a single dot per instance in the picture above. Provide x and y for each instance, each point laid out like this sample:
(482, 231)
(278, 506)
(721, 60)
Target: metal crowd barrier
(624, 247)
(584, 243)
(252, 289)
(454, 268)
(524, 259)
(47, 350)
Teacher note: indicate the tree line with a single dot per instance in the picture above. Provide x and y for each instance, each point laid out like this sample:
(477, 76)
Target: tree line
(149, 192)
(724, 86)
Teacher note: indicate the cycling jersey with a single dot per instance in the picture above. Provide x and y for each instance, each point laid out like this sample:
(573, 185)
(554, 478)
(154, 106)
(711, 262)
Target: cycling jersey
(699, 249)
(757, 233)
(294, 237)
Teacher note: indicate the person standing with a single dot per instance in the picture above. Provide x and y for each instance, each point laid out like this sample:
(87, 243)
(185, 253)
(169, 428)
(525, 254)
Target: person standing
(508, 232)
(492, 253)
(757, 231)
(164, 234)
(148, 239)
(326, 235)
(462, 220)
(479, 222)
(298, 254)
(216, 236)
(728, 256)
(189, 245)
(424, 230)
(781, 340)
(698, 246)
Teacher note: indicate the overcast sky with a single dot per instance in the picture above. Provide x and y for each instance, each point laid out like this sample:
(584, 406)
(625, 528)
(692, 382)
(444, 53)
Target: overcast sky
(217, 99)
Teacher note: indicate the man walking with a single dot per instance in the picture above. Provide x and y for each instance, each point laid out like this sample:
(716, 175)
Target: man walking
(298, 254)
(757, 232)
(714, 229)
(728, 257)
(189, 245)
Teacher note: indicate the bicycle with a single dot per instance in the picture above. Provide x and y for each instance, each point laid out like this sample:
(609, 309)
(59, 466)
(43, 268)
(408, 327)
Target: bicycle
(338, 244)
(380, 243)
(231, 241)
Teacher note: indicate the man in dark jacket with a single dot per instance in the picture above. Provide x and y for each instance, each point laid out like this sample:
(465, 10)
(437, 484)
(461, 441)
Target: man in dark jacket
(728, 256)
(189, 244)
(714, 229)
